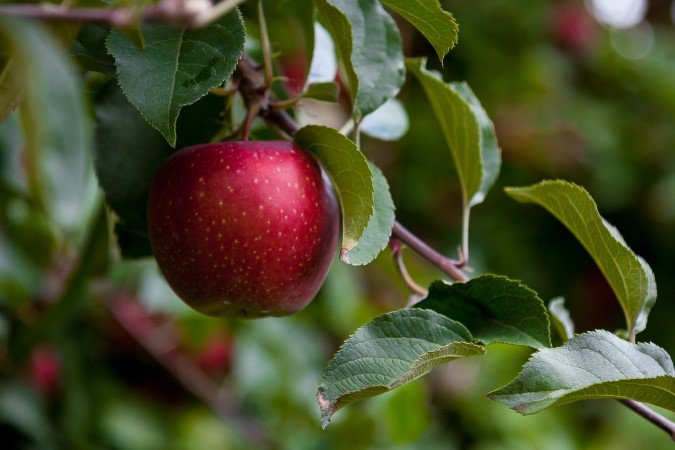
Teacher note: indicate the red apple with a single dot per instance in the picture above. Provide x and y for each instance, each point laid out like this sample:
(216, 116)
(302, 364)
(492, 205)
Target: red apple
(45, 369)
(215, 357)
(243, 229)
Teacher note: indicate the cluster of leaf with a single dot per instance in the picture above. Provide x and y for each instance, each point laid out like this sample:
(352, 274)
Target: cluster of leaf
(457, 320)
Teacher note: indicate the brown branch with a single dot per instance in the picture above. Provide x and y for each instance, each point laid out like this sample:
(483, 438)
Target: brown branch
(416, 290)
(192, 14)
(159, 340)
(657, 419)
(423, 249)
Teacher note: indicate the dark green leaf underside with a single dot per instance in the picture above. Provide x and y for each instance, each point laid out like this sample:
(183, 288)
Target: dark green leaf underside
(128, 154)
(177, 67)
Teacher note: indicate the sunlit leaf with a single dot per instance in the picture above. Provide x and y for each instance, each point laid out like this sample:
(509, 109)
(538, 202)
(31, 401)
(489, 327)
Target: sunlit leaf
(351, 176)
(560, 318)
(468, 131)
(388, 352)
(593, 365)
(438, 26)
(629, 275)
(369, 45)
(376, 236)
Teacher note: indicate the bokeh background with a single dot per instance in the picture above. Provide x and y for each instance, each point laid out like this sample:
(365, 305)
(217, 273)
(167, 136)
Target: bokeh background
(578, 90)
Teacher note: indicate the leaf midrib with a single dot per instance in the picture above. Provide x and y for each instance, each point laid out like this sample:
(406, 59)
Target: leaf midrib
(173, 81)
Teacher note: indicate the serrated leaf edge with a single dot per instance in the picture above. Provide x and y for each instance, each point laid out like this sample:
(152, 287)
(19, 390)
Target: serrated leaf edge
(172, 139)
(520, 284)
(420, 367)
(494, 396)
(639, 322)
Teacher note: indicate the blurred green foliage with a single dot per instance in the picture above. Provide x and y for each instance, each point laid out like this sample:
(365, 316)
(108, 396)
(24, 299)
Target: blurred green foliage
(566, 102)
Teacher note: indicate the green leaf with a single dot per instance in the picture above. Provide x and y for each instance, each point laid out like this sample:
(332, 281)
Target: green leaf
(389, 122)
(10, 88)
(128, 154)
(177, 68)
(369, 45)
(55, 122)
(468, 131)
(388, 352)
(90, 51)
(325, 92)
(376, 236)
(351, 175)
(494, 309)
(593, 365)
(560, 318)
(629, 275)
(438, 26)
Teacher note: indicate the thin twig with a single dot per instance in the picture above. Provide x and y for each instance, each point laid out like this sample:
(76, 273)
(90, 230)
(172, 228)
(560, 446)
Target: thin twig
(224, 91)
(288, 103)
(464, 249)
(429, 253)
(397, 253)
(192, 14)
(266, 46)
(652, 416)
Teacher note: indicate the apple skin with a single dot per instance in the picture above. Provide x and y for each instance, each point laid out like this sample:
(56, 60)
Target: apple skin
(243, 229)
